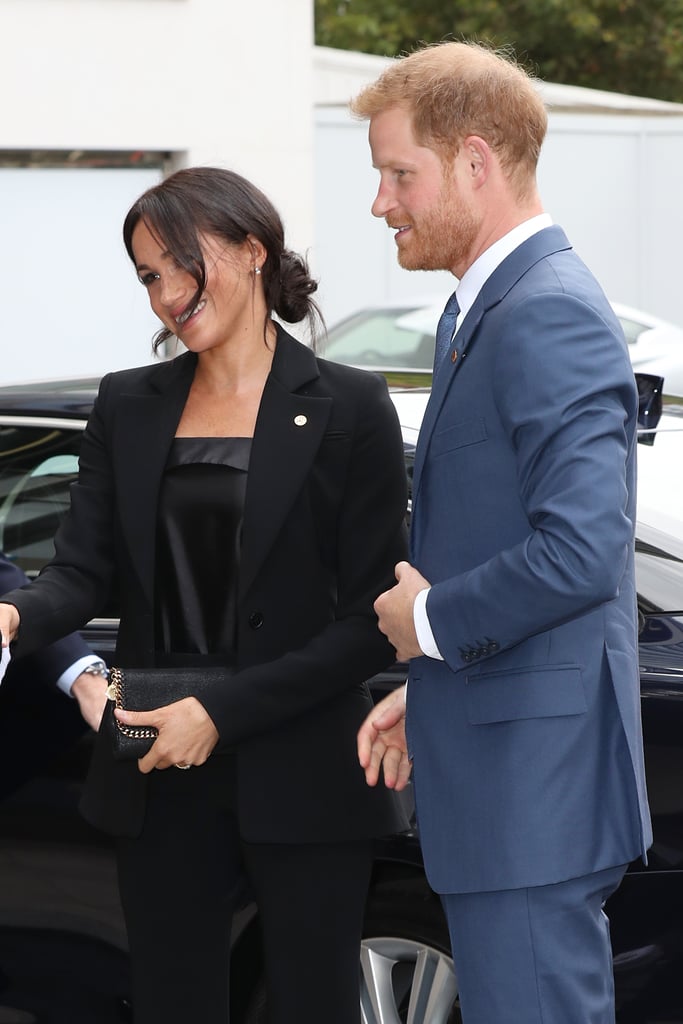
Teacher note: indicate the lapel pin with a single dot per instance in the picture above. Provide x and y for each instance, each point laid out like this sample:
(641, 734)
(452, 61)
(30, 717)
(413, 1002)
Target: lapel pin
(454, 355)
(300, 421)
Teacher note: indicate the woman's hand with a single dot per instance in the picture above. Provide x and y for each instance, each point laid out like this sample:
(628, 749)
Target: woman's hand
(187, 734)
(382, 743)
(9, 623)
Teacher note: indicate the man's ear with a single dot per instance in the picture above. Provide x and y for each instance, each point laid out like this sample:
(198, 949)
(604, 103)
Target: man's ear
(478, 157)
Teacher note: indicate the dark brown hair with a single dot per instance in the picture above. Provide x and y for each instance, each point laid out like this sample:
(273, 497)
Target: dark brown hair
(218, 202)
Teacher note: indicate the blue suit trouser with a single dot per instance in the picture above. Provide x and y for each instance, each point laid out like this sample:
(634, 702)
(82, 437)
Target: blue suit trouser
(535, 956)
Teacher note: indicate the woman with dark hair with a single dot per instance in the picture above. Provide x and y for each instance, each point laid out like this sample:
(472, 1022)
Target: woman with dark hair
(248, 500)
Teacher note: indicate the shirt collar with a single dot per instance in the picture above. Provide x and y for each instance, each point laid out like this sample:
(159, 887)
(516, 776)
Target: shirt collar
(475, 277)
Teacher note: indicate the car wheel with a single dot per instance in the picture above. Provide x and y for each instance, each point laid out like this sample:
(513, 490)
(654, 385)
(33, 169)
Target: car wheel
(407, 982)
(407, 974)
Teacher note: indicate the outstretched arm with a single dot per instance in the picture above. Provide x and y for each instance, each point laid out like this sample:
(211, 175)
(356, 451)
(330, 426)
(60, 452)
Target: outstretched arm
(9, 623)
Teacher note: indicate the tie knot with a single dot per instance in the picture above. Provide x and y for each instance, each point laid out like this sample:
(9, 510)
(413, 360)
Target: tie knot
(452, 308)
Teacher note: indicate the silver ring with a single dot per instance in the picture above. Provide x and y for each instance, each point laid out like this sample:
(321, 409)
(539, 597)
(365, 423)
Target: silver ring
(183, 767)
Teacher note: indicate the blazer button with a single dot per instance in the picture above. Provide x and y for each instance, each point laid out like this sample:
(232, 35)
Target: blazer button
(256, 620)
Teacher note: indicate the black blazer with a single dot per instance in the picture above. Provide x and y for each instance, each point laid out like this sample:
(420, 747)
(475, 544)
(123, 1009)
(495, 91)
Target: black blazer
(323, 528)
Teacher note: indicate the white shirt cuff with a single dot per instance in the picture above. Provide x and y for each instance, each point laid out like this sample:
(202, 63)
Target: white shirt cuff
(71, 674)
(4, 662)
(425, 637)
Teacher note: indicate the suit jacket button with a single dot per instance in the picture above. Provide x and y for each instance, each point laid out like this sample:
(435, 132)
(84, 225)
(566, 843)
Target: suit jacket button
(256, 620)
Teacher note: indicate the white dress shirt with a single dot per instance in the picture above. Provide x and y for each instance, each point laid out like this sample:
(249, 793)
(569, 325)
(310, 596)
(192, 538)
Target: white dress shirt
(71, 674)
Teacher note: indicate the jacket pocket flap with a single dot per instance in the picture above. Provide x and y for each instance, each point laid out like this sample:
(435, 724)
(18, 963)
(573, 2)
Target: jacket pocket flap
(547, 692)
(458, 436)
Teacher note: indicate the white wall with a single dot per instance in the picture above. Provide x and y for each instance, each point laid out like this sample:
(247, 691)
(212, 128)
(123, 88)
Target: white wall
(71, 302)
(215, 81)
(233, 83)
(207, 81)
(354, 252)
(611, 180)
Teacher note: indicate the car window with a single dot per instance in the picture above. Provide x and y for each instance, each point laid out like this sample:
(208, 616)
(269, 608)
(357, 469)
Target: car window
(37, 466)
(659, 579)
(384, 338)
(632, 329)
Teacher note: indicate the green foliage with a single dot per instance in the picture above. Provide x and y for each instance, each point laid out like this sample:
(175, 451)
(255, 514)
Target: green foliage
(629, 46)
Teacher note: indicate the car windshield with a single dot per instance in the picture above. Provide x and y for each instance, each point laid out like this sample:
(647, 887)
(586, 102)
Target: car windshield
(393, 337)
(37, 466)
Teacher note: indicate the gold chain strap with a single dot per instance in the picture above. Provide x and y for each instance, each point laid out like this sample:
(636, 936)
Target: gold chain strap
(115, 693)
(114, 687)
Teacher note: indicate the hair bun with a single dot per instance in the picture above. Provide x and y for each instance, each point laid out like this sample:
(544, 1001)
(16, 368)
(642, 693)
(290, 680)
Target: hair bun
(294, 301)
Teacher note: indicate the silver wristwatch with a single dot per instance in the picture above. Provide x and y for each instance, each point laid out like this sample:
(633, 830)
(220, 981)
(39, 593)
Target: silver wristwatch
(98, 668)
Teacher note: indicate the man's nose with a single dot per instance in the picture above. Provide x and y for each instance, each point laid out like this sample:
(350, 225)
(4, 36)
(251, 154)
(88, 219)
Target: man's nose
(384, 202)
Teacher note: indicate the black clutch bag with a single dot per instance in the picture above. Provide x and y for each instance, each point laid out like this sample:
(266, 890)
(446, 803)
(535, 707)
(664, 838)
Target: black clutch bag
(143, 689)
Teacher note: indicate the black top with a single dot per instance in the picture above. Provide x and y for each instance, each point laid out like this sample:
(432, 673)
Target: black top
(201, 505)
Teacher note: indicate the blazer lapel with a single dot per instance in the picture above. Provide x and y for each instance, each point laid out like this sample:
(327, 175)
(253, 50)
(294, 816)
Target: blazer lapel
(289, 429)
(503, 278)
(145, 428)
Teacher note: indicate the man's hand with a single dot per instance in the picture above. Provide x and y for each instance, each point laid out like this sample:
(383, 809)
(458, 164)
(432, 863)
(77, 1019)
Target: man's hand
(382, 743)
(394, 610)
(187, 734)
(9, 623)
(91, 693)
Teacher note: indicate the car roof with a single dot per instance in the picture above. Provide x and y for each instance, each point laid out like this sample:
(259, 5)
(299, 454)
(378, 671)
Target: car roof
(422, 313)
(69, 397)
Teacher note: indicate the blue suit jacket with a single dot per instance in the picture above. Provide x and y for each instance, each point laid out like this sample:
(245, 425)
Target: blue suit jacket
(37, 721)
(49, 662)
(526, 740)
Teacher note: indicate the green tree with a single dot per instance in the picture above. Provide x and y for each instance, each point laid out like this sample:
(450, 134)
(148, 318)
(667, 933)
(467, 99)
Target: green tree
(629, 46)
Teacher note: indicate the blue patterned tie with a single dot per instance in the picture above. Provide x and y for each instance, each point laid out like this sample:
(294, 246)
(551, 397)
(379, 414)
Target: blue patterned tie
(445, 329)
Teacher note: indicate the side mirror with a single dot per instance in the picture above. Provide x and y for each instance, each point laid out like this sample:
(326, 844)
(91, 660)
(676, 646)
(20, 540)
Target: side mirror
(649, 406)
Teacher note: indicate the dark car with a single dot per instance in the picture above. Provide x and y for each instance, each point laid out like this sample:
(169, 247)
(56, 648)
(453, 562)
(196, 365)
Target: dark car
(62, 940)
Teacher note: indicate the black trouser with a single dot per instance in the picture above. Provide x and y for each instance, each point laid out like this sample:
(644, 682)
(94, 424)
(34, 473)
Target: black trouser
(181, 880)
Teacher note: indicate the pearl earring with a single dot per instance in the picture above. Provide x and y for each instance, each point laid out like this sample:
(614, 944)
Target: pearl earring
(257, 270)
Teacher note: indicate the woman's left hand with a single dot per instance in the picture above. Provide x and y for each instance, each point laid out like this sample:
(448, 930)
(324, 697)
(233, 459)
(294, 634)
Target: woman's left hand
(186, 737)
